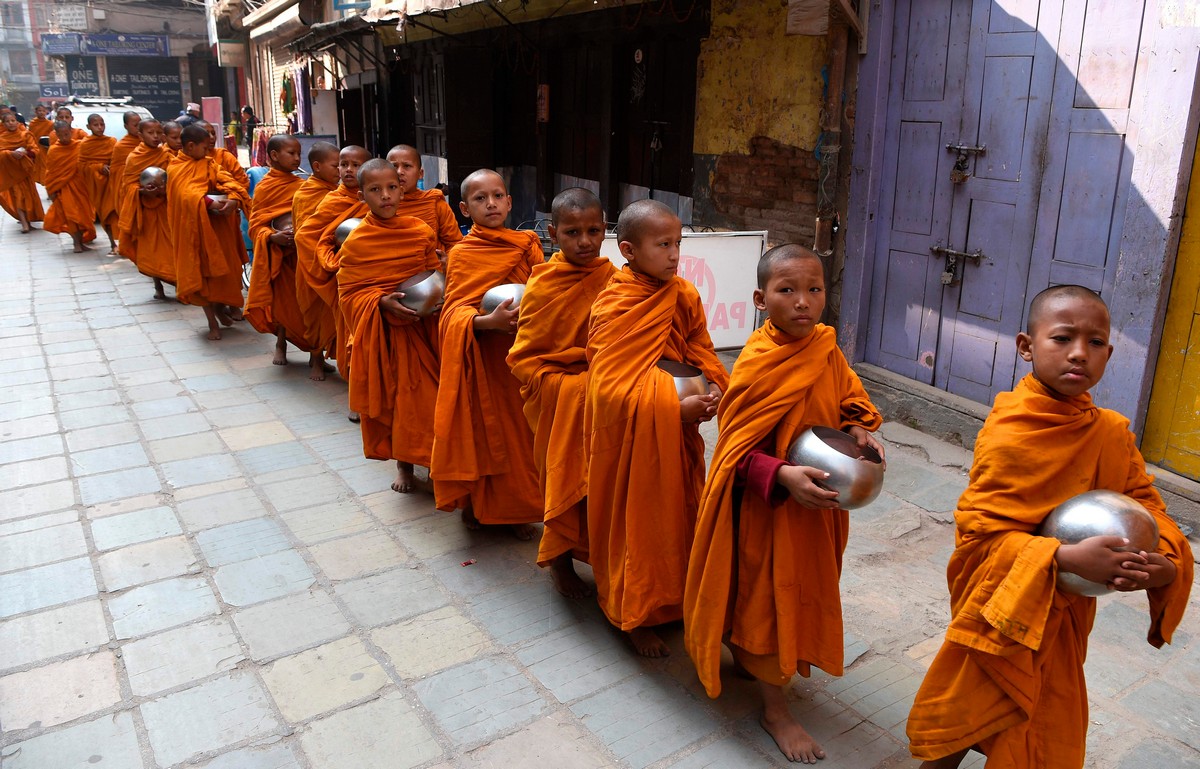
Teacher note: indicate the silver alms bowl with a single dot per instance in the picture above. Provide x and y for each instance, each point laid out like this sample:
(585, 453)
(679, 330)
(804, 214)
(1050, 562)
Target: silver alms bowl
(1099, 513)
(153, 176)
(689, 380)
(423, 292)
(497, 294)
(344, 229)
(855, 474)
(283, 223)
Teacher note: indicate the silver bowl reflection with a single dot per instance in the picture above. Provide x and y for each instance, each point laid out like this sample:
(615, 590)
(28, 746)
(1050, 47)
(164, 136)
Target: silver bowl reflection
(689, 380)
(497, 294)
(423, 292)
(1099, 513)
(343, 231)
(153, 176)
(855, 474)
(283, 223)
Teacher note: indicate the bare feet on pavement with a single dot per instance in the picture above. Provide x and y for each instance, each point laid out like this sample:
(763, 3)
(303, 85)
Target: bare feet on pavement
(794, 742)
(566, 581)
(406, 481)
(647, 643)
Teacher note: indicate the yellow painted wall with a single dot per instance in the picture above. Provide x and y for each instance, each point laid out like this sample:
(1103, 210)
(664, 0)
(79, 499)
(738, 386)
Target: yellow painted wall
(1172, 436)
(756, 81)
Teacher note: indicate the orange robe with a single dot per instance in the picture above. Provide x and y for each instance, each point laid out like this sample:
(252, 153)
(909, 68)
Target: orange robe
(39, 127)
(430, 206)
(143, 234)
(229, 161)
(1009, 676)
(71, 210)
(209, 251)
(483, 448)
(322, 324)
(110, 208)
(646, 468)
(394, 371)
(763, 576)
(271, 299)
(549, 359)
(313, 309)
(95, 152)
(17, 189)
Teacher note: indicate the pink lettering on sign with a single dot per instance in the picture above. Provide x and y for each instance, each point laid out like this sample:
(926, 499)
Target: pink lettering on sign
(722, 316)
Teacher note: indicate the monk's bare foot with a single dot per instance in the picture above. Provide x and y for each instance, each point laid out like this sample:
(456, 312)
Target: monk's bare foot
(354, 417)
(469, 520)
(280, 358)
(159, 291)
(214, 334)
(794, 742)
(566, 581)
(406, 481)
(524, 531)
(234, 313)
(647, 643)
(79, 249)
(214, 328)
(223, 315)
(316, 367)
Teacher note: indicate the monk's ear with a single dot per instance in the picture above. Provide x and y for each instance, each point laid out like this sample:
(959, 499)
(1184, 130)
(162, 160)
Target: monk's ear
(462, 206)
(760, 300)
(626, 250)
(1025, 347)
(360, 195)
(552, 231)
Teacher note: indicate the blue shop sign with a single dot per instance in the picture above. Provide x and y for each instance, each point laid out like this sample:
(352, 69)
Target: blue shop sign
(61, 45)
(125, 45)
(58, 90)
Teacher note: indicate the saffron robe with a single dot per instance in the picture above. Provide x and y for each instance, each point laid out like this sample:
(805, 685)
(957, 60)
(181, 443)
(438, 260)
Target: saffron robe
(17, 190)
(39, 127)
(482, 447)
(321, 324)
(209, 252)
(143, 234)
(430, 206)
(394, 362)
(95, 152)
(646, 468)
(71, 210)
(271, 299)
(229, 161)
(1009, 675)
(308, 196)
(116, 175)
(767, 576)
(549, 359)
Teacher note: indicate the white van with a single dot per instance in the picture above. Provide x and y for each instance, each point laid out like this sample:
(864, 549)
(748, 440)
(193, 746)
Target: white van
(112, 110)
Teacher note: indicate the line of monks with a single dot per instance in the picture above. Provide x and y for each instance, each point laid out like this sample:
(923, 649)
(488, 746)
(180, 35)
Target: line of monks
(555, 411)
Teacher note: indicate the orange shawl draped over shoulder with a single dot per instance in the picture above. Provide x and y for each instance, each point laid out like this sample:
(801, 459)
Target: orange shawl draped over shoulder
(321, 321)
(271, 299)
(483, 448)
(1009, 676)
(430, 206)
(549, 359)
(95, 152)
(116, 175)
(229, 161)
(646, 468)
(767, 577)
(39, 127)
(71, 210)
(209, 251)
(394, 371)
(16, 174)
(143, 232)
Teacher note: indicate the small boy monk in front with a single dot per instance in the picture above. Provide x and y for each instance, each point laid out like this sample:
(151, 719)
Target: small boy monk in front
(1008, 680)
(18, 154)
(646, 466)
(95, 151)
(429, 206)
(767, 557)
(209, 251)
(142, 233)
(549, 359)
(116, 172)
(318, 320)
(482, 447)
(271, 305)
(393, 351)
(71, 212)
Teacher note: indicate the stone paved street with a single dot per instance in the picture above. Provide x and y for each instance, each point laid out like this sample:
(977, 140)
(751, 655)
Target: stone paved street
(199, 569)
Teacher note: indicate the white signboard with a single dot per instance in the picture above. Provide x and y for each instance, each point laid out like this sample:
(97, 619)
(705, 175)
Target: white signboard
(723, 266)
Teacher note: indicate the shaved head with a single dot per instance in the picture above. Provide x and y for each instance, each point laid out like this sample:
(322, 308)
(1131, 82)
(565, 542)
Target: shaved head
(1053, 296)
(574, 199)
(193, 134)
(405, 148)
(353, 150)
(770, 261)
(637, 214)
(475, 177)
(148, 123)
(279, 141)
(372, 166)
(322, 152)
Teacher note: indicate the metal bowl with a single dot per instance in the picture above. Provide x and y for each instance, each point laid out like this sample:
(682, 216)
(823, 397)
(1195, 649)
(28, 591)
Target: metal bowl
(856, 474)
(344, 229)
(153, 176)
(689, 380)
(423, 292)
(497, 294)
(1099, 513)
(283, 223)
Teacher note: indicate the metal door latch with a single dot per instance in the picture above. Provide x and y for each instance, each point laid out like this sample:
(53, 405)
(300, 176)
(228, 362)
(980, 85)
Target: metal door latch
(963, 152)
(953, 259)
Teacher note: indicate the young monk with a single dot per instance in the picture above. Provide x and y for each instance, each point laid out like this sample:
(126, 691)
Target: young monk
(393, 351)
(171, 136)
(429, 206)
(209, 252)
(225, 159)
(482, 448)
(64, 114)
(549, 359)
(18, 153)
(71, 212)
(38, 127)
(271, 305)
(95, 151)
(766, 560)
(1008, 680)
(646, 467)
(318, 319)
(116, 172)
(142, 233)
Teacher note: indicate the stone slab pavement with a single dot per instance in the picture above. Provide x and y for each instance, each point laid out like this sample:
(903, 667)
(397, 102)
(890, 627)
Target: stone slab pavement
(199, 569)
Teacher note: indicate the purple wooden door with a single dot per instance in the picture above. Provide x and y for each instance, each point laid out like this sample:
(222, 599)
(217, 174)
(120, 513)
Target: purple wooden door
(1039, 198)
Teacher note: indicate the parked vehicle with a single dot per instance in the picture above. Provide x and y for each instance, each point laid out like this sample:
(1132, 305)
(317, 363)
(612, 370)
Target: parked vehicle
(112, 110)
